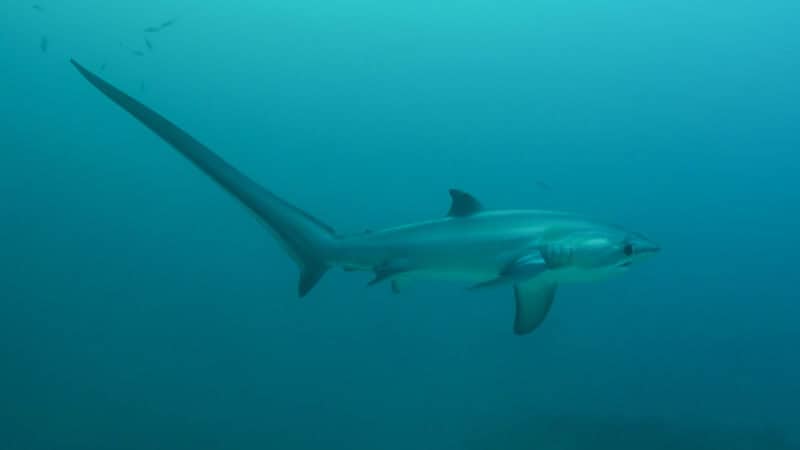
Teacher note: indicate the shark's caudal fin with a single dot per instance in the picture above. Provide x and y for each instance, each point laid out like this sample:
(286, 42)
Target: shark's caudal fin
(305, 238)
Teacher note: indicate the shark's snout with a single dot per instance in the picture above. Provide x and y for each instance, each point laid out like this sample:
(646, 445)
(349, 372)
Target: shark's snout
(637, 248)
(641, 245)
(649, 248)
(644, 250)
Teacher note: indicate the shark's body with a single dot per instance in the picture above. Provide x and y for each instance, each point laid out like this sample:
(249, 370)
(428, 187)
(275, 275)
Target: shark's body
(532, 250)
(473, 248)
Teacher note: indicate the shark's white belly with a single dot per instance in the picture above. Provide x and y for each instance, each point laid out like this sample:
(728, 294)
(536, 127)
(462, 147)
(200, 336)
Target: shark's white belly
(576, 275)
(559, 276)
(444, 274)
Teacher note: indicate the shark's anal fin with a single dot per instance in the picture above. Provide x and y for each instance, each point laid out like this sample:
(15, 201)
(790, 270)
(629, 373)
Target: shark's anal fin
(463, 204)
(522, 269)
(533, 302)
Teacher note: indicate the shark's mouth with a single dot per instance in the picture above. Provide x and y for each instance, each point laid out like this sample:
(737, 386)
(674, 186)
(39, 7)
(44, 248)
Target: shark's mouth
(625, 264)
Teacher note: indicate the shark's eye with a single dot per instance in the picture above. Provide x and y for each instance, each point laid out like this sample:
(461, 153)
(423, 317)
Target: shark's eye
(627, 249)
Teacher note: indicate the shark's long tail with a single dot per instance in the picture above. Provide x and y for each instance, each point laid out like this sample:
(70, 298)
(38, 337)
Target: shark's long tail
(307, 240)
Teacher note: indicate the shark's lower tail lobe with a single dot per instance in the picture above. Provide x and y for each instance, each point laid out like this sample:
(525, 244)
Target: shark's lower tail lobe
(307, 240)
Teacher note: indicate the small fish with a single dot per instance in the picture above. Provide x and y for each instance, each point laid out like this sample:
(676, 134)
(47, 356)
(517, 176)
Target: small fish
(148, 44)
(133, 51)
(542, 185)
(43, 44)
(141, 86)
(169, 23)
(38, 8)
(103, 67)
(157, 28)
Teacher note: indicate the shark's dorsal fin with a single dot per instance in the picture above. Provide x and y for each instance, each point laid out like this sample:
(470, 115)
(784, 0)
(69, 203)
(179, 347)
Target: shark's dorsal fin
(463, 204)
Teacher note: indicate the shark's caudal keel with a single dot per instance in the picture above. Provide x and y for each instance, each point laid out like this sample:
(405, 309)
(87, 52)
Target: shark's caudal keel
(533, 251)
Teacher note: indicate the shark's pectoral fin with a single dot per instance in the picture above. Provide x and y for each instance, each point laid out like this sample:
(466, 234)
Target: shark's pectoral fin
(520, 270)
(533, 300)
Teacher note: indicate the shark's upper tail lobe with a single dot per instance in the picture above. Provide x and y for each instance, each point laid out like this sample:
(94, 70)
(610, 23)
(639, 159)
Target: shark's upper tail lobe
(308, 240)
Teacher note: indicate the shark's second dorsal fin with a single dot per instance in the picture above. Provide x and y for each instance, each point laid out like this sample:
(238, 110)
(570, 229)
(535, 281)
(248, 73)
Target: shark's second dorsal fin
(463, 204)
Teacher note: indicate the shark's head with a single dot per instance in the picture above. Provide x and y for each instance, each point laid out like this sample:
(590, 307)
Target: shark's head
(601, 253)
(635, 248)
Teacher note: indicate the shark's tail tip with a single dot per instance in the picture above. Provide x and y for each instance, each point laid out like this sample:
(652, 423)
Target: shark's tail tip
(77, 65)
(83, 70)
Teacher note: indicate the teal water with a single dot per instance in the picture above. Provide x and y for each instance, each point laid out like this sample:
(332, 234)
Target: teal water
(141, 307)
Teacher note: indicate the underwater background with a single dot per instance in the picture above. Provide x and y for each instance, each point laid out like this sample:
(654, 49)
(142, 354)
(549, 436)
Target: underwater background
(142, 307)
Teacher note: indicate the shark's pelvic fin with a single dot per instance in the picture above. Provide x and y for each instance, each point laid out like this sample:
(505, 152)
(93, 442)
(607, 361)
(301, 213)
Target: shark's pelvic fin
(389, 270)
(401, 283)
(306, 239)
(533, 301)
(463, 204)
(396, 287)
